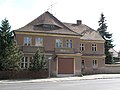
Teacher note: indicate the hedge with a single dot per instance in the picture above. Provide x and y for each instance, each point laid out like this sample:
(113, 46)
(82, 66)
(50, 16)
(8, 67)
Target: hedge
(25, 74)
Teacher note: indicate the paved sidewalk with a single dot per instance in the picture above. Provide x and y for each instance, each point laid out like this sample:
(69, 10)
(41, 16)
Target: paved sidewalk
(87, 77)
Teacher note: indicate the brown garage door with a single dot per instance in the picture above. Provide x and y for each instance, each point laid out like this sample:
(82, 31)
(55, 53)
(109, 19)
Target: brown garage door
(65, 66)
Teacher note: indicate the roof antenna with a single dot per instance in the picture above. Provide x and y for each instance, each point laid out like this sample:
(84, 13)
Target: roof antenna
(51, 8)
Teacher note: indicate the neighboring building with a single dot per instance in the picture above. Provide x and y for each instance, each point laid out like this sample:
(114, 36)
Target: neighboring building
(115, 55)
(72, 48)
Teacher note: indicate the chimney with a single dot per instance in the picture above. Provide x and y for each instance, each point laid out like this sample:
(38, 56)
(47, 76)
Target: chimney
(79, 22)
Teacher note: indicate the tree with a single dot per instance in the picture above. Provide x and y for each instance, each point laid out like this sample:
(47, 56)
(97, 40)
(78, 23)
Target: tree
(39, 61)
(107, 37)
(9, 54)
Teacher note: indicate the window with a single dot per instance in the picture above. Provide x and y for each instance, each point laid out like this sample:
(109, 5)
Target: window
(30, 61)
(83, 63)
(27, 41)
(48, 26)
(58, 43)
(39, 41)
(24, 63)
(94, 63)
(82, 47)
(94, 47)
(69, 43)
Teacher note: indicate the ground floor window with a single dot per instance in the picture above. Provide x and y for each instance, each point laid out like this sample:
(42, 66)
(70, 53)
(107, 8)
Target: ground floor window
(83, 63)
(26, 62)
(95, 63)
(30, 60)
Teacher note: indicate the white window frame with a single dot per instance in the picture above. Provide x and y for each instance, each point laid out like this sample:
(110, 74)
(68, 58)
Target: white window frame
(59, 43)
(39, 41)
(69, 43)
(82, 47)
(94, 47)
(24, 62)
(30, 61)
(27, 41)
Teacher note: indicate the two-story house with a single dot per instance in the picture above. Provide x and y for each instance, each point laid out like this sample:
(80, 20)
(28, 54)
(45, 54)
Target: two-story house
(71, 49)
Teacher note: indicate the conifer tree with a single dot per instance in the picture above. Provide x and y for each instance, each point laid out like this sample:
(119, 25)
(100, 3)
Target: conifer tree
(9, 54)
(107, 37)
(39, 61)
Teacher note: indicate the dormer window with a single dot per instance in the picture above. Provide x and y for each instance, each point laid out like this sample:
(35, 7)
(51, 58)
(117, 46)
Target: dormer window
(48, 26)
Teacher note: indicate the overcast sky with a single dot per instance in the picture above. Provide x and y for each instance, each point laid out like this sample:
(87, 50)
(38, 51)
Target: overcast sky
(21, 12)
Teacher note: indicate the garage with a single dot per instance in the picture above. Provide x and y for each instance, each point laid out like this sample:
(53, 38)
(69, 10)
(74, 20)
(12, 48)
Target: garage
(65, 65)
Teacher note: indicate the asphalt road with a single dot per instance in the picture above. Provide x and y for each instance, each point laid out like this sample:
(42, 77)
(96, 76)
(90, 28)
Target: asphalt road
(99, 84)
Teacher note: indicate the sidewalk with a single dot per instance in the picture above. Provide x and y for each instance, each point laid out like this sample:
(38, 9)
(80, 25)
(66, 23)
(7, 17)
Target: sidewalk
(87, 77)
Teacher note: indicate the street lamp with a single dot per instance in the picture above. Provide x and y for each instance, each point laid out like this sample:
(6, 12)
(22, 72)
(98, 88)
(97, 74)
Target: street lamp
(49, 60)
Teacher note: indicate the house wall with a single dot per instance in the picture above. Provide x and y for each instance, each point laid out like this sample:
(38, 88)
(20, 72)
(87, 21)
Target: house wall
(48, 41)
(77, 66)
(49, 48)
(19, 39)
(54, 67)
(88, 47)
(89, 69)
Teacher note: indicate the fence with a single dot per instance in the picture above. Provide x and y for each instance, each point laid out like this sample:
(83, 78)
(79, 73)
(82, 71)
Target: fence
(107, 69)
(111, 68)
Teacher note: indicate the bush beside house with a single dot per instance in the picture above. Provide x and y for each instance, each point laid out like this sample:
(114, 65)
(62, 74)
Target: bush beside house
(23, 74)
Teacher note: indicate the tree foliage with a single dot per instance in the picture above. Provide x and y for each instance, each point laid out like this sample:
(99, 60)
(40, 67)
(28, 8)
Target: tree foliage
(39, 61)
(9, 54)
(107, 37)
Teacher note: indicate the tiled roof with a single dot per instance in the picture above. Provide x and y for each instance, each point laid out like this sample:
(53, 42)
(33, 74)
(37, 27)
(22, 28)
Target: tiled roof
(86, 32)
(61, 28)
(47, 19)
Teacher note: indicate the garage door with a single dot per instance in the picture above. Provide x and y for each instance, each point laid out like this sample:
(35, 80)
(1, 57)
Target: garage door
(65, 66)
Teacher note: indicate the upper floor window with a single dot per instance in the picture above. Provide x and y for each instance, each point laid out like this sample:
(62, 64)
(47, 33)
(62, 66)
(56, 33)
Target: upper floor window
(58, 43)
(39, 41)
(94, 47)
(27, 41)
(82, 48)
(69, 43)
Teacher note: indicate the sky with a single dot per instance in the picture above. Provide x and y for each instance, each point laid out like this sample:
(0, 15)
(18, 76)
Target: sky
(21, 12)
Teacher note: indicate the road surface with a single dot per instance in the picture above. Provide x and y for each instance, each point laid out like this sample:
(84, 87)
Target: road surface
(98, 84)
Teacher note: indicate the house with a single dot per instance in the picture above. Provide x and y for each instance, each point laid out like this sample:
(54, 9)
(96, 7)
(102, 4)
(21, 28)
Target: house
(71, 48)
(115, 55)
